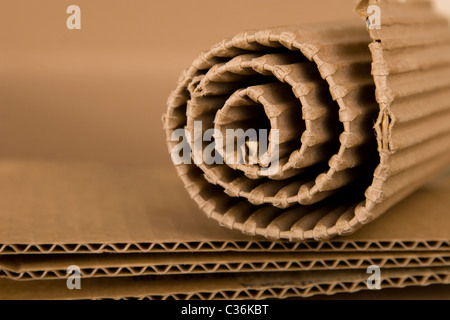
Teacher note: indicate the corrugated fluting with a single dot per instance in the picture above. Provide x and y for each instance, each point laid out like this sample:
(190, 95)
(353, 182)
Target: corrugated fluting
(133, 259)
(411, 70)
(230, 286)
(361, 119)
(131, 265)
(323, 88)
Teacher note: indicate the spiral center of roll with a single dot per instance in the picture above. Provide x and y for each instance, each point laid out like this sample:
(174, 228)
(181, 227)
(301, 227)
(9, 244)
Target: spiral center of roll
(260, 125)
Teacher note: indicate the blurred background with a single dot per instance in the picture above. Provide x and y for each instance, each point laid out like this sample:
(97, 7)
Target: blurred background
(97, 94)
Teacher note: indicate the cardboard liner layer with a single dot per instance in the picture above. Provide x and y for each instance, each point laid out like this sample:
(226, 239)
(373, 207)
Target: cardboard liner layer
(431, 292)
(50, 207)
(50, 267)
(232, 286)
(322, 88)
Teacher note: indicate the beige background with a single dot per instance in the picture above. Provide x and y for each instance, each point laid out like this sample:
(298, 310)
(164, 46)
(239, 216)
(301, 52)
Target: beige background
(97, 94)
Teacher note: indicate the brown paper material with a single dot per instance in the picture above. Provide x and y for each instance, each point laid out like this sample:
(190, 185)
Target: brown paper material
(22, 267)
(137, 198)
(432, 292)
(135, 233)
(51, 207)
(323, 89)
(238, 286)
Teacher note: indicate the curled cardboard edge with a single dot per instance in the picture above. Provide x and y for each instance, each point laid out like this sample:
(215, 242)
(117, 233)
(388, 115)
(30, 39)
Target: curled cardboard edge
(388, 186)
(306, 40)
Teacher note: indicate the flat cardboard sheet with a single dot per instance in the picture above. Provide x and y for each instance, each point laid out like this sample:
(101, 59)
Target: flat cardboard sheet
(23, 267)
(52, 207)
(431, 292)
(212, 286)
(164, 254)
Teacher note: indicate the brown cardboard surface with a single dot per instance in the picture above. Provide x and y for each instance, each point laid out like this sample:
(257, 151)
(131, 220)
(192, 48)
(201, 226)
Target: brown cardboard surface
(117, 75)
(239, 286)
(74, 208)
(410, 63)
(32, 267)
(432, 292)
(320, 86)
(52, 207)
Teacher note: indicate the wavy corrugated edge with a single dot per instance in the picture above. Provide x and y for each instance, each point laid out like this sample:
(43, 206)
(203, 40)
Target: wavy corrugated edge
(213, 246)
(220, 267)
(301, 292)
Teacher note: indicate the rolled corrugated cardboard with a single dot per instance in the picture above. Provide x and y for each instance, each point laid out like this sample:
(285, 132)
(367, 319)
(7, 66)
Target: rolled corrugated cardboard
(314, 93)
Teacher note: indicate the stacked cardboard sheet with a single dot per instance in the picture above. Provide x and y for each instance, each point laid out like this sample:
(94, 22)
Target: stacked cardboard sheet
(116, 224)
(134, 232)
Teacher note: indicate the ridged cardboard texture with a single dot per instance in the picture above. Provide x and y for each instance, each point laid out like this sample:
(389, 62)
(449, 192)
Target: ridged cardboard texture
(172, 250)
(411, 71)
(238, 286)
(354, 141)
(52, 207)
(431, 292)
(22, 267)
(322, 88)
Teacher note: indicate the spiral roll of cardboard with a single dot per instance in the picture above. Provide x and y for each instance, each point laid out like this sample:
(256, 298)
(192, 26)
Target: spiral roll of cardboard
(323, 169)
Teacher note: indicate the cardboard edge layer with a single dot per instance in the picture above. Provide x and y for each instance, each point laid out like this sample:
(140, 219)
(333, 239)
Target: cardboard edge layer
(241, 286)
